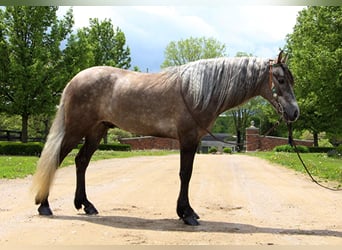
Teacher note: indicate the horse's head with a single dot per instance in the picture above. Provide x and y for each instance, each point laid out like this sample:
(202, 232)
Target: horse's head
(280, 91)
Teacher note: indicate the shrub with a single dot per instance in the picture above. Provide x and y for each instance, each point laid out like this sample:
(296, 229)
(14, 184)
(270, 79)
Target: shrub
(115, 147)
(290, 149)
(336, 152)
(111, 147)
(18, 148)
(227, 150)
(212, 150)
(320, 149)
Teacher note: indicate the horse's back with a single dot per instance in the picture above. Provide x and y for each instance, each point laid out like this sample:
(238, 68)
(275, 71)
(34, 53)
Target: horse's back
(138, 102)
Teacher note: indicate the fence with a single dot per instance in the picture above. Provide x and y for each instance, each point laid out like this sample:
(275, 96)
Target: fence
(15, 135)
(10, 135)
(256, 142)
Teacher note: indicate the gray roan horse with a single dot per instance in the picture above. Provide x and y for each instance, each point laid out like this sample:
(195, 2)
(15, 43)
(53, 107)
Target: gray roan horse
(179, 102)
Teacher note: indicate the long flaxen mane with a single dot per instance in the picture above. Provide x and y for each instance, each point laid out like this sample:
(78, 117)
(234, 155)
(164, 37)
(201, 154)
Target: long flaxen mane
(229, 80)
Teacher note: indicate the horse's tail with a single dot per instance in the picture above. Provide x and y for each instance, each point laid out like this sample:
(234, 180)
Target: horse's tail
(50, 157)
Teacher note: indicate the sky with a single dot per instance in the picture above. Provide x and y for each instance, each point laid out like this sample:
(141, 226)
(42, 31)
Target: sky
(259, 30)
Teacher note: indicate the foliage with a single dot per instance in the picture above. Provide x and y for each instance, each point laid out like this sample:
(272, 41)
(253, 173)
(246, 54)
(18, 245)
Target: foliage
(21, 166)
(336, 152)
(227, 150)
(116, 133)
(98, 44)
(290, 149)
(318, 164)
(30, 40)
(112, 147)
(192, 49)
(320, 149)
(18, 148)
(39, 55)
(212, 150)
(315, 60)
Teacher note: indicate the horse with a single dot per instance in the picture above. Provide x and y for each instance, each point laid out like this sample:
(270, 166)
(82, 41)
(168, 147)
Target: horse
(180, 102)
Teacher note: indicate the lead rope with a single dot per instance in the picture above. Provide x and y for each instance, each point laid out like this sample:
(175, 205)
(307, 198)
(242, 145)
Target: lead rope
(293, 145)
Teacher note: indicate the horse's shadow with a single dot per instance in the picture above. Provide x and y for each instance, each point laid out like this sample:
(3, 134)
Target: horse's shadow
(128, 222)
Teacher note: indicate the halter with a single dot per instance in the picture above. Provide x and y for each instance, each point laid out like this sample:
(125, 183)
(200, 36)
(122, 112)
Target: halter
(272, 86)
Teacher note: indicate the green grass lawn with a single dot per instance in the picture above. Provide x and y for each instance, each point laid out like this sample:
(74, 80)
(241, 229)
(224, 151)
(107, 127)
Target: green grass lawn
(21, 166)
(319, 164)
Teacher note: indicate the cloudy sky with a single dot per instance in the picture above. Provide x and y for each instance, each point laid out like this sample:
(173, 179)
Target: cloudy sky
(260, 30)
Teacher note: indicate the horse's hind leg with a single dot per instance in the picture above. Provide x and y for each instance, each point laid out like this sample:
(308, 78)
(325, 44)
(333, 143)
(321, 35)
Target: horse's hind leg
(82, 160)
(68, 143)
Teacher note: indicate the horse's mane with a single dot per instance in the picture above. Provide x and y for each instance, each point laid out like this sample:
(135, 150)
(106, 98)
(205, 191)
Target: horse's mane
(228, 80)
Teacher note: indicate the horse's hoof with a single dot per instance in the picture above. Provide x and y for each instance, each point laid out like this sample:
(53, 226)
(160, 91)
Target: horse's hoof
(44, 210)
(191, 220)
(90, 210)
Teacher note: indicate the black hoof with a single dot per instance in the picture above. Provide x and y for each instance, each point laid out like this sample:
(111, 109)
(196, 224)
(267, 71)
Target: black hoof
(90, 210)
(44, 210)
(191, 220)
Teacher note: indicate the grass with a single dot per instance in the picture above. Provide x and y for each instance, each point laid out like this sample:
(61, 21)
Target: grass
(12, 167)
(319, 164)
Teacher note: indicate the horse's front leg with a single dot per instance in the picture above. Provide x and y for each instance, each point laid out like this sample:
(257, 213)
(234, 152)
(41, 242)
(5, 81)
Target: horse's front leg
(184, 210)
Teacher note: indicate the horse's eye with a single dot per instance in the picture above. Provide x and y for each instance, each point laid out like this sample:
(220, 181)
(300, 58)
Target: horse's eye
(281, 81)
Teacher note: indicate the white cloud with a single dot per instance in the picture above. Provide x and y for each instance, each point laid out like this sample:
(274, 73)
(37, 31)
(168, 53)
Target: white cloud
(254, 29)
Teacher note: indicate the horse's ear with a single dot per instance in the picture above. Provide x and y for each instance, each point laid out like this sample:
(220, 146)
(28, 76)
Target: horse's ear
(284, 60)
(280, 56)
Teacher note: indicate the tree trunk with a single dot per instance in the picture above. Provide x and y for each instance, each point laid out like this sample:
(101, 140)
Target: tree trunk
(24, 126)
(238, 140)
(315, 135)
(46, 129)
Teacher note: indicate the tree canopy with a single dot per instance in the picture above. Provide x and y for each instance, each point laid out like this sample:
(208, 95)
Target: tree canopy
(98, 44)
(192, 49)
(39, 54)
(30, 52)
(315, 49)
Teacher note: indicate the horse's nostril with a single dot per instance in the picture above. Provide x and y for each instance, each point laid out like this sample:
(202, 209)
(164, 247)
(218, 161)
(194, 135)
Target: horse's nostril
(295, 115)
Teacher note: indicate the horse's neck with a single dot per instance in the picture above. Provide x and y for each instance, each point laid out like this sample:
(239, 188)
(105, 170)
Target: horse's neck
(247, 89)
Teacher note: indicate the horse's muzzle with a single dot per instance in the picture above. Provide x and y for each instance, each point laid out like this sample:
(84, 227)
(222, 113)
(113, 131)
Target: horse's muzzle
(291, 116)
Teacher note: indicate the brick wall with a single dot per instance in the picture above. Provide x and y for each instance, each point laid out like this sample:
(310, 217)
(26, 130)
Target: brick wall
(150, 142)
(255, 141)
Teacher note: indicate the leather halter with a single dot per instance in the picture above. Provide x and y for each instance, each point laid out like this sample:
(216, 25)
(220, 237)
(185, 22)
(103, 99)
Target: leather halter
(270, 81)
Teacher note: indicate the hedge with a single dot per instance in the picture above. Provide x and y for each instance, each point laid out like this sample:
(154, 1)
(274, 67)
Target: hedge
(18, 148)
(113, 147)
(320, 149)
(35, 148)
(288, 148)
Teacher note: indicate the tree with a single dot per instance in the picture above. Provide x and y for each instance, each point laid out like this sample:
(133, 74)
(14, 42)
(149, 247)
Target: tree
(192, 49)
(98, 44)
(315, 61)
(30, 40)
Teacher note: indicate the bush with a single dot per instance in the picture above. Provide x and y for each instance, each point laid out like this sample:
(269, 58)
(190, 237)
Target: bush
(19, 148)
(227, 150)
(115, 147)
(111, 146)
(212, 150)
(336, 152)
(290, 149)
(320, 149)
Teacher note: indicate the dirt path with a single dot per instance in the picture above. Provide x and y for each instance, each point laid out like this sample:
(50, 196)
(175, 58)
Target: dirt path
(242, 200)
